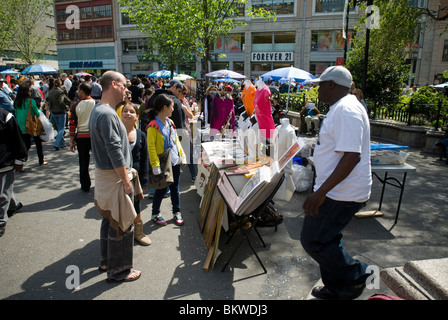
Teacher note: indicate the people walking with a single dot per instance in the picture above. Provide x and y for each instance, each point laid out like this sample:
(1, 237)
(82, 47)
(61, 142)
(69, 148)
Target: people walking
(79, 132)
(22, 104)
(343, 185)
(116, 183)
(59, 104)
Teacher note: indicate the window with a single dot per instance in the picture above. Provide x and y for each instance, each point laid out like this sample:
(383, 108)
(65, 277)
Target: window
(66, 35)
(129, 46)
(231, 43)
(445, 52)
(135, 46)
(317, 68)
(278, 6)
(85, 13)
(102, 11)
(273, 41)
(330, 40)
(84, 33)
(61, 15)
(331, 6)
(103, 32)
(125, 19)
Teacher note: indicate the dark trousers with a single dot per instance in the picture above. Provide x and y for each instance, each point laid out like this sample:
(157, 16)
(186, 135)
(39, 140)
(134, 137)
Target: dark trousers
(175, 196)
(116, 250)
(84, 146)
(38, 142)
(322, 239)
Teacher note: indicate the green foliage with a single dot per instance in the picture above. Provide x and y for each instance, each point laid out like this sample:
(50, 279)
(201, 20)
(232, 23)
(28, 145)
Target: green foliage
(388, 49)
(19, 20)
(179, 28)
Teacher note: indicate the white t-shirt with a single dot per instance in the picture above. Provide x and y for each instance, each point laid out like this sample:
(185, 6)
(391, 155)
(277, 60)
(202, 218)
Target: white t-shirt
(346, 128)
(68, 84)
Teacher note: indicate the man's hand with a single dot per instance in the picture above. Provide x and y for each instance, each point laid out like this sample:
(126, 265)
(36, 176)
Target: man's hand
(73, 146)
(313, 202)
(127, 187)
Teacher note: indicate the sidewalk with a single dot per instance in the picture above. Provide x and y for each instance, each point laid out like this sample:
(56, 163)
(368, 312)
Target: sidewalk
(58, 230)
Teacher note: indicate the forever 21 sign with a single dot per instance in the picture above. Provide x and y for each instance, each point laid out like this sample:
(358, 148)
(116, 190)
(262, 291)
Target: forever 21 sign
(272, 56)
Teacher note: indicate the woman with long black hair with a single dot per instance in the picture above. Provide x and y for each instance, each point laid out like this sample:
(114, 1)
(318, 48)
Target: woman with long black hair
(22, 103)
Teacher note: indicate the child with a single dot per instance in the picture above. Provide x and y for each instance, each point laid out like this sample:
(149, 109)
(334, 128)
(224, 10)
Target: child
(162, 135)
(137, 140)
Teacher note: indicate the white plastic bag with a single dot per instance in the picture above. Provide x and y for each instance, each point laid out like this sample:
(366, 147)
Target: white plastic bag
(302, 177)
(48, 133)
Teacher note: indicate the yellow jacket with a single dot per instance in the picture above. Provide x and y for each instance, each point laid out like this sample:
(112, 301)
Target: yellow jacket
(156, 141)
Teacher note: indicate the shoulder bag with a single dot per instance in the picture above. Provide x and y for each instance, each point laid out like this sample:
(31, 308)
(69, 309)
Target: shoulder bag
(33, 126)
(163, 180)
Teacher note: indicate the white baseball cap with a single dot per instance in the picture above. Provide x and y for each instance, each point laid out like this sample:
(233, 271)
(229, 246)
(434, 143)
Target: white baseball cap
(338, 74)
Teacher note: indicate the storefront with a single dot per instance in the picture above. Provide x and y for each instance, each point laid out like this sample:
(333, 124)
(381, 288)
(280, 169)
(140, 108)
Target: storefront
(87, 58)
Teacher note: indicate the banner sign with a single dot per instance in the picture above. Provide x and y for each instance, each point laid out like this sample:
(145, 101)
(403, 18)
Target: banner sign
(272, 56)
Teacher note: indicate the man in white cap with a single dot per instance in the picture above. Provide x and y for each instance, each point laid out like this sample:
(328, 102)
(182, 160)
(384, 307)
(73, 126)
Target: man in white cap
(343, 186)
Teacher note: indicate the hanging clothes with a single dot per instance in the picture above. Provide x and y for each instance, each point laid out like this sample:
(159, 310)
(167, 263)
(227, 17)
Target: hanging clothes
(248, 96)
(220, 109)
(262, 104)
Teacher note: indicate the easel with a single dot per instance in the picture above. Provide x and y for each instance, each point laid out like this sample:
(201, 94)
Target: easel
(253, 217)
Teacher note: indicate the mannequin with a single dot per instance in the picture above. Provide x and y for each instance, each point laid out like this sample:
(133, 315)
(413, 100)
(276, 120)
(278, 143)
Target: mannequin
(247, 96)
(286, 138)
(253, 138)
(262, 107)
(243, 125)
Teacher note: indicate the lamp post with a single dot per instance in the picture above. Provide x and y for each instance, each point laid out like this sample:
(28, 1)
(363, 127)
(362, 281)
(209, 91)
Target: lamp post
(366, 51)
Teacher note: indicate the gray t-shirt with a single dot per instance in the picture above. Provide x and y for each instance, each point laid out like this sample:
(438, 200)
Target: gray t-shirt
(110, 145)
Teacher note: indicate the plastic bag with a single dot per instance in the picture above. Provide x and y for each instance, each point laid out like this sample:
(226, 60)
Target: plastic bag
(388, 157)
(302, 177)
(48, 133)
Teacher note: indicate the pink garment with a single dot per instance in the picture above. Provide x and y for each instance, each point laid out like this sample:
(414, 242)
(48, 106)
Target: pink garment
(219, 111)
(262, 104)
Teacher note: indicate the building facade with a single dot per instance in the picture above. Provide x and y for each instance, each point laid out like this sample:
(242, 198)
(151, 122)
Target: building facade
(85, 36)
(307, 34)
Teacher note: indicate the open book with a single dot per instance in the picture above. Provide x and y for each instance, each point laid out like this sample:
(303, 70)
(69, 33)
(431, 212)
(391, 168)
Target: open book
(259, 187)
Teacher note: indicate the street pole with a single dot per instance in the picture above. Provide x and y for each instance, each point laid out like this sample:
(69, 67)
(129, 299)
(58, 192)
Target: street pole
(366, 52)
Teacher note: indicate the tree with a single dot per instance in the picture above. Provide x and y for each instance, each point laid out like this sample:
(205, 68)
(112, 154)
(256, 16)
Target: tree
(8, 22)
(186, 27)
(25, 38)
(215, 18)
(165, 23)
(388, 49)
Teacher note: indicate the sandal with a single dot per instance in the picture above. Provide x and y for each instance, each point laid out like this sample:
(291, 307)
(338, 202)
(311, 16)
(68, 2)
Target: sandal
(134, 275)
(44, 163)
(159, 220)
(102, 268)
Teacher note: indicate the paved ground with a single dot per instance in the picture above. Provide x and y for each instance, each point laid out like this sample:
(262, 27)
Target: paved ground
(59, 227)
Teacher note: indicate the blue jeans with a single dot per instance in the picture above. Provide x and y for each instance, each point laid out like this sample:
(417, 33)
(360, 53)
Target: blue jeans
(60, 125)
(322, 239)
(175, 195)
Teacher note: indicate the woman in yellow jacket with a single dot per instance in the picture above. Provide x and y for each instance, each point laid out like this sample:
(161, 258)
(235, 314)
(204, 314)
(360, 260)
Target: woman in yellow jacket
(161, 135)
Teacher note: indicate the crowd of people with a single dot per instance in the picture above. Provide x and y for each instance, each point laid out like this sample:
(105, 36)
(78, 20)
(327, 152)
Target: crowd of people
(127, 123)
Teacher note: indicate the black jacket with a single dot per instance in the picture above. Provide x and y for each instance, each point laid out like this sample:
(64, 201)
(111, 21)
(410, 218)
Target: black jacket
(140, 158)
(178, 115)
(12, 146)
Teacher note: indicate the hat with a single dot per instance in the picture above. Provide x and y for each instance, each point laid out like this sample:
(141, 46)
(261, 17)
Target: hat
(228, 88)
(338, 74)
(176, 83)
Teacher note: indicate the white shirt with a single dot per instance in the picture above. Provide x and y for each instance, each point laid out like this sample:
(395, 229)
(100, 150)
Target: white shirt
(346, 128)
(68, 84)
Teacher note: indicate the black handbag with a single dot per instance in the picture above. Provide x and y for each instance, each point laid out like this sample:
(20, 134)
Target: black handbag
(166, 178)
